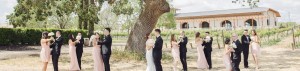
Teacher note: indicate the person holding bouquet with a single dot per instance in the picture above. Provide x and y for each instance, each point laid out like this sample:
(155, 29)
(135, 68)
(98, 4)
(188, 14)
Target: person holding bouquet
(45, 52)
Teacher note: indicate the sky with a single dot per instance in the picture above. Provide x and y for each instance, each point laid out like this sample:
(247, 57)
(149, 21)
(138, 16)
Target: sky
(283, 6)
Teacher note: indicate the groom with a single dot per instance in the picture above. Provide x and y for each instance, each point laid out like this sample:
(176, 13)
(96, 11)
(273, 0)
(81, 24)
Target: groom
(106, 48)
(183, 50)
(55, 52)
(79, 48)
(208, 48)
(245, 43)
(157, 50)
(236, 56)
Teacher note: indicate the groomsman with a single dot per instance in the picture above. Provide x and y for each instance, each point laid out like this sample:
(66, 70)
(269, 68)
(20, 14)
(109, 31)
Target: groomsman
(245, 43)
(208, 48)
(157, 50)
(106, 48)
(182, 48)
(236, 55)
(55, 52)
(79, 48)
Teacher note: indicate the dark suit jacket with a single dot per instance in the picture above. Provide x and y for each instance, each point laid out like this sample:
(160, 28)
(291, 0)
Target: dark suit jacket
(245, 42)
(236, 55)
(157, 50)
(208, 45)
(107, 41)
(79, 46)
(182, 45)
(56, 46)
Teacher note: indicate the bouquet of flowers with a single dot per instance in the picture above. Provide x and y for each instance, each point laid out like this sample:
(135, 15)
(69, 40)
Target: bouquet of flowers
(78, 37)
(233, 46)
(207, 39)
(51, 34)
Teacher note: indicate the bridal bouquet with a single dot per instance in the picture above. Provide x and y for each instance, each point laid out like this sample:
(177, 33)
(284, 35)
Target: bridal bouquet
(207, 39)
(51, 34)
(78, 37)
(233, 45)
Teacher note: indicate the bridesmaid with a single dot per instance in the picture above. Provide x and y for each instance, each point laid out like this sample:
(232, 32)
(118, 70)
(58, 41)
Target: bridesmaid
(175, 52)
(98, 62)
(72, 52)
(201, 62)
(255, 45)
(228, 49)
(45, 52)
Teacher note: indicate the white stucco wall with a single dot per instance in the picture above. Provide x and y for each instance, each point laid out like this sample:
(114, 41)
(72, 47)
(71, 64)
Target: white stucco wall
(238, 21)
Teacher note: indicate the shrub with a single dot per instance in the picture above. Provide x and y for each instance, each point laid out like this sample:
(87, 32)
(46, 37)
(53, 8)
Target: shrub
(26, 36)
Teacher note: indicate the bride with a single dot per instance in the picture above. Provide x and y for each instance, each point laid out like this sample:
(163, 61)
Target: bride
(149, 57)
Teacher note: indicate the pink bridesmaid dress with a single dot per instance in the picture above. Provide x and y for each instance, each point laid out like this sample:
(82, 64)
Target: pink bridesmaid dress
(227, 60)
(201, 62)
(98, 62)
(255, 47)
(73, 58)
(175, 54)
(175, 51)
(45, 52)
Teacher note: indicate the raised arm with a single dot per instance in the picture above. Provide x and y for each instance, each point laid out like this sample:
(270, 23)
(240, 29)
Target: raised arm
(105, 41)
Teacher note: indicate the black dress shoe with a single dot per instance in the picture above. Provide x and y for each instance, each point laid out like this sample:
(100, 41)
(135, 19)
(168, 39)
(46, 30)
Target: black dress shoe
(247, 67)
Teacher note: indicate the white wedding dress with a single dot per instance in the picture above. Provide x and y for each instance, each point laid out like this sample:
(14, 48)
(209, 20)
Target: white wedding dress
(149, 56)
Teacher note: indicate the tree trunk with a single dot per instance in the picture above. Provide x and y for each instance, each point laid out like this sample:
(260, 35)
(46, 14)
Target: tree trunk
(85, 25)
(91, 28)
(145, 24)
(85, 7)
(80, 23)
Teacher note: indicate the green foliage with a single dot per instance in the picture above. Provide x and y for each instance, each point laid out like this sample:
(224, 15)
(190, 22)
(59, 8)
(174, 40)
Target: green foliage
(167, 20)
(21, 13)
(122, 7)
(24, 36)
(271, 42)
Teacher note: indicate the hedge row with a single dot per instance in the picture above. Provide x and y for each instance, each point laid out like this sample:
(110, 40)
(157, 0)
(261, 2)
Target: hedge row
(25, 36)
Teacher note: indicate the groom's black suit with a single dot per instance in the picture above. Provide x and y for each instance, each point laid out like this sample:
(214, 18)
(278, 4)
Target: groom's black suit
(79, 50)
(107, 41)
(183, 50)
(245, 43)
(55, 52)
(207, 51)
(157, 53)
(236, 55)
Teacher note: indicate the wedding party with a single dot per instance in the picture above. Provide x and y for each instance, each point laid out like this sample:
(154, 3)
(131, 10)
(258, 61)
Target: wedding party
(149, 35)
(101, 50)
(233, 50)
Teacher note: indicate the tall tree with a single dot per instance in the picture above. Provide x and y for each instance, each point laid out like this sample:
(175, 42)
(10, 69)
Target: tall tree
(62, 11)
(151, 11)
(21, 13)
(87, 12)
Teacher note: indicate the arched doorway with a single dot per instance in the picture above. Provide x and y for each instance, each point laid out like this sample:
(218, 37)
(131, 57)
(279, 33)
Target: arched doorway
(250, 23)
(226, 23)
(185, 25)
(205, 24)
